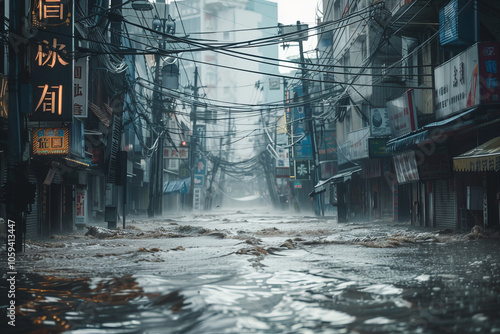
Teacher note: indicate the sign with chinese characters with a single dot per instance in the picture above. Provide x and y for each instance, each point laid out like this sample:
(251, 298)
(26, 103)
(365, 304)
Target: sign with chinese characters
(4, 97)
(80, 87)
(402, 114)
(467, 80)
(81, 198)
(302, 148)
(489, 57)
(302, 170)
(50, 141)
(457, 84)
(172, 153)
(51, 63)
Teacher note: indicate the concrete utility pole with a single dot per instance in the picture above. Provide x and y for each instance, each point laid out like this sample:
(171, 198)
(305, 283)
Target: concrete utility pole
(310, 124)
(164, 25)
(194, 137)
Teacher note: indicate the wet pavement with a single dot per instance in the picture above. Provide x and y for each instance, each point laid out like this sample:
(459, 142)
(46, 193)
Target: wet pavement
(253, 271)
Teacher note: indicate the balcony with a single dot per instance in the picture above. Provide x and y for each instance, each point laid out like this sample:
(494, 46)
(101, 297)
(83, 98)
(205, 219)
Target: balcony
(409, 17)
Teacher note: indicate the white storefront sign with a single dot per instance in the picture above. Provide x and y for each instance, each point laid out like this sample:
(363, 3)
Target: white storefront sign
(402, 114)
(457, 84)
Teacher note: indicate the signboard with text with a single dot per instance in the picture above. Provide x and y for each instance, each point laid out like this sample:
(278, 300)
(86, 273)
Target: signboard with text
(302, 149)
(80, 87)
(302, 170)
(468, 79)
(172, 153)
(402, 114)
(379, 122)
(200, 167)
(51, 63)
(50, 141)
(80, 210)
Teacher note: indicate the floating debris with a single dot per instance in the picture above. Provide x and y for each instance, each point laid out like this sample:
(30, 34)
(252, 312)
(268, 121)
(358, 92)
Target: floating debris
(100, 232)
(288, 244)
(252, 251)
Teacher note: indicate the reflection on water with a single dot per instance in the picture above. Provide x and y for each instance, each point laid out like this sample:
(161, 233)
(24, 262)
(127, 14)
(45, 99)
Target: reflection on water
(227, 276)
(457, 298)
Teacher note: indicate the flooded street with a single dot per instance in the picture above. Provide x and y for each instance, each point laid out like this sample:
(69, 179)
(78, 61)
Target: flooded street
(258, 272)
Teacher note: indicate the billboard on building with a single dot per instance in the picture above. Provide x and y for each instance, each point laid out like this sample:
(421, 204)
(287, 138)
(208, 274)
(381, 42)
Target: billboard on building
(402, 114)
(173, 153)
(379, 122)
(467, 80)
(50, 141)
(302, 148)
(51, 63)
(355, 146)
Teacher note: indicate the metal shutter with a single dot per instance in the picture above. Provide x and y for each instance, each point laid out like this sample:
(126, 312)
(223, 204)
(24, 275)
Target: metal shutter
(444, 206)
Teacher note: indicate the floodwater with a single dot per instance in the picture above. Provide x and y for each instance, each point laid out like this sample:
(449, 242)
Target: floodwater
(257, 272)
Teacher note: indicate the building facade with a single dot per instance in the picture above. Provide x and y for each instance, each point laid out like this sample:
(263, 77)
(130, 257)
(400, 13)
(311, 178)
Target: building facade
(417, 108)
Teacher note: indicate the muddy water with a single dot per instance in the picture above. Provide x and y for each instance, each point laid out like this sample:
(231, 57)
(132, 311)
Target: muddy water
(242, 272)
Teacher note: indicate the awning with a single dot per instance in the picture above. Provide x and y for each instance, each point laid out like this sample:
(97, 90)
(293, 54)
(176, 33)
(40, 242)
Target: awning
(485, 157)
(424, 134)
(319, 188)
(177, 187)
(339, 178)
(344, 176)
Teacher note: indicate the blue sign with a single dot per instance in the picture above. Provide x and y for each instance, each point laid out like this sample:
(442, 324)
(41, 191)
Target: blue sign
(200, 167)
(303, 147)
(199, 180)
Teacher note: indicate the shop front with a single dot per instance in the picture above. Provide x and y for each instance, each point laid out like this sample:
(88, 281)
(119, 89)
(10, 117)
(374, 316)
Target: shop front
(478, 185)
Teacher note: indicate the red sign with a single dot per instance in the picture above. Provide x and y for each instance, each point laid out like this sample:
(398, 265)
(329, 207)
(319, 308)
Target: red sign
(489, 56)
(172, 153)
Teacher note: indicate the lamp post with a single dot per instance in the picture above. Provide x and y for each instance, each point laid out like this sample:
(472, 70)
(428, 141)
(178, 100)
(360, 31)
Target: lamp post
(162, 26)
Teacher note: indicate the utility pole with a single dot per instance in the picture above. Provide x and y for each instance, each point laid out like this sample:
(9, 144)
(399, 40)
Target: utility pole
(163, 25)
(194, 137)
(310, 124)
(17, 52)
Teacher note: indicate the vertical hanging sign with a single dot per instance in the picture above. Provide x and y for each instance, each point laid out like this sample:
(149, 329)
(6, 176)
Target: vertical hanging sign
(80, 214)
(80, 85)
(51, 60)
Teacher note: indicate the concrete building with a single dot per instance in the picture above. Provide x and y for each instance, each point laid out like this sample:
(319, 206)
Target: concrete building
(417, 91)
